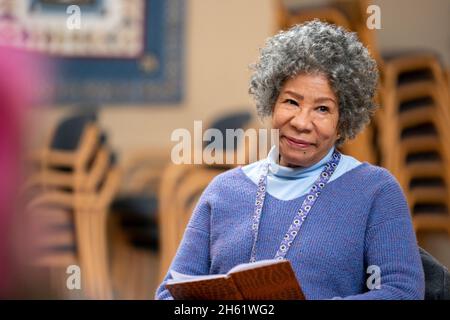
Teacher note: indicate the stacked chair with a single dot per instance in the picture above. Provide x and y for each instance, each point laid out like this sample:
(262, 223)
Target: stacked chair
(244, 149)
(136, 205)
(135, 227)
(415, 135)
(409, 134)
(68, 193)
(156, 201)
(182, 184)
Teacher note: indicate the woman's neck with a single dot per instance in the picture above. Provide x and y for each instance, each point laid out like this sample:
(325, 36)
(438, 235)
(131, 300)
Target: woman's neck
(281, 169)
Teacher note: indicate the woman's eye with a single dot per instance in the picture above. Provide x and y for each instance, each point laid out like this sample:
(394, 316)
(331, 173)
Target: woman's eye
(323, 109)
(290, 101)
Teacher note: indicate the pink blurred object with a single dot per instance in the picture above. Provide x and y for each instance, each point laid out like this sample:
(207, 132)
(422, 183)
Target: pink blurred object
(18, 86)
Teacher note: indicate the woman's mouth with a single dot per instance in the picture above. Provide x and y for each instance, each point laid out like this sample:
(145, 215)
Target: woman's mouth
(298, 143)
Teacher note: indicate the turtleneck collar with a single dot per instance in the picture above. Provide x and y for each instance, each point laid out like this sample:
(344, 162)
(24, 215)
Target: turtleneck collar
(294, 173)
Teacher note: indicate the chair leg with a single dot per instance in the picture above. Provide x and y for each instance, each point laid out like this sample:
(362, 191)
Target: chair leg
(104, 255)
(85, 253)
(98, 230)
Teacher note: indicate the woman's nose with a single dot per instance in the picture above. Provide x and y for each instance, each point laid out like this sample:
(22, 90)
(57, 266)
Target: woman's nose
(302, 120)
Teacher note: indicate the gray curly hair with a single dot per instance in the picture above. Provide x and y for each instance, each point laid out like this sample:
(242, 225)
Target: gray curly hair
(318, 47)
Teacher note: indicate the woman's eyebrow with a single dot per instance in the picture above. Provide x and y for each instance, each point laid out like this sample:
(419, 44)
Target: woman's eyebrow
(323, 99)
(301, 97)
(295, 94)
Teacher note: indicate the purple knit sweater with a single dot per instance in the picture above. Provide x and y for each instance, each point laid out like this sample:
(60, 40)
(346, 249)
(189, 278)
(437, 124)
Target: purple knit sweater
(361, 219)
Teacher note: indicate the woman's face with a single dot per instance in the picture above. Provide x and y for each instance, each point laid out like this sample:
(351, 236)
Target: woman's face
(306, 114)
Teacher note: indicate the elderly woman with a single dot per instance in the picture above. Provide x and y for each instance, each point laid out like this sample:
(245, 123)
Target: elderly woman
(336, 220)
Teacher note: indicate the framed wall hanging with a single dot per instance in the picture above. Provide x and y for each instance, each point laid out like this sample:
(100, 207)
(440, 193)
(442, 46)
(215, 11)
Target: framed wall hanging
(122, 52)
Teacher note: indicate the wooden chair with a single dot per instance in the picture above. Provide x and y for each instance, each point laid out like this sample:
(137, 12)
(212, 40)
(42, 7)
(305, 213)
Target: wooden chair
(411, 65)
(180, 188)
(137, 202)
(416, 145)
(53, 208)
(288, 18)
(426, 181)
(54, 237)
(448, 84)
(76, 171)
(47, 245)
(408, 68)
(143, 170)
(176, 176)
(239, 152)
(362, 146)
(448, 81)
(99, 221)
(414, 136)
(81, 180)
(134, 224)
(414, 103)
(89, 216)
(71, 148)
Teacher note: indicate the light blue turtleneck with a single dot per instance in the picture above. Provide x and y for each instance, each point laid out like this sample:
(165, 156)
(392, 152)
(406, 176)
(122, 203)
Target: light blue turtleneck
(285, 183)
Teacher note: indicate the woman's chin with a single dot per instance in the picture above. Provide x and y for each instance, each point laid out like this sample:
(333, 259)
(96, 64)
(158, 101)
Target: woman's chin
(295, 162)
(295, 158)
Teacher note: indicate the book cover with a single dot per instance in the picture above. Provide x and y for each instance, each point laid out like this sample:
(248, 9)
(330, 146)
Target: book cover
(262, 280)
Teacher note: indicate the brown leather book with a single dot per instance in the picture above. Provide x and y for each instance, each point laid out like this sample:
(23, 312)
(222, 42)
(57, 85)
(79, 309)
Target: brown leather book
(262, 280)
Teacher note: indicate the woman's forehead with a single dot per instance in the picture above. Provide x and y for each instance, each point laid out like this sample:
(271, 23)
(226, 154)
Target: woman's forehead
(309, 85)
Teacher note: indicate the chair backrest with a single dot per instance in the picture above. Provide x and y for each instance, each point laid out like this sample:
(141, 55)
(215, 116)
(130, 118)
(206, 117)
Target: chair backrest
(437, 278)
(68, 133)
(420, 152)
(330, 14)
(53, 233)
(142, 171)
(412, 67)
(234, 121)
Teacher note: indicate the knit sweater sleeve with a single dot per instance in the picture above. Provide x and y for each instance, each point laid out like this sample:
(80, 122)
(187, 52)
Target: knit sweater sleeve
(391, 248)
(192, 256)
